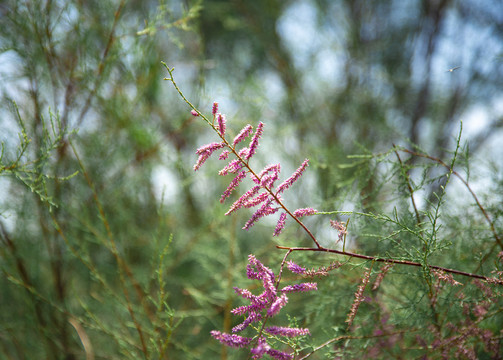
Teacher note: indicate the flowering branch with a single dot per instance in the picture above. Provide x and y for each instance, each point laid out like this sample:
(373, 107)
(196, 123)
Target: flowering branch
(262, 307)
(270, 200)
(393, 261)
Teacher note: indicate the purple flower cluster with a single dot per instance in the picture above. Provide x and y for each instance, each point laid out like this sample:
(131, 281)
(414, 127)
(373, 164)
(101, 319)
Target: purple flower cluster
(263, 194)
(265, 305)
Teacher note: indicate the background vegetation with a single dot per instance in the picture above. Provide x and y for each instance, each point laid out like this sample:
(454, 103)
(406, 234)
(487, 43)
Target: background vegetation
(112, 248)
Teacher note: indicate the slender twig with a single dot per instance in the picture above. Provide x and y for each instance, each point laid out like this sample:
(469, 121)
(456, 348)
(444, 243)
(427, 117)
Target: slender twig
(392, 261)
(101, 65)
(465, 183)
(121, 265)
(409, 186)
(352, 337)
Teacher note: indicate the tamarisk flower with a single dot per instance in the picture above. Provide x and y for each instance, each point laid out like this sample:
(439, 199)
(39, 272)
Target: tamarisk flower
(264, 194)
(221, 124)
(358, 298)
(265, 305)
(304, 212)
(384, 269)
(280, 225)
(442, 276)
(205, 152)
(340, 227)
(214, 110)
(296, 269)
(243, 134)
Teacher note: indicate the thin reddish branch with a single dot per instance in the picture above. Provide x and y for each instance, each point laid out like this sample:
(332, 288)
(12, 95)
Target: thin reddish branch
(391, 261)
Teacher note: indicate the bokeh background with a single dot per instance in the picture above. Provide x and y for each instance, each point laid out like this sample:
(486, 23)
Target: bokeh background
(112, 247)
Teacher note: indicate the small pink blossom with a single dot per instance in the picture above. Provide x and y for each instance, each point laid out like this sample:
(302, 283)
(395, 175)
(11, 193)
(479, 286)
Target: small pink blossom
(441, 275)
(269, 302)
(269, 168)
(224, 155)
(210, 148)
(234, 341)
(205, 152)
(280, 225)
(244, 133)
(255, 139)
(299, 287)
(384, 269)
(221, 124)
(287, 331)
(260, 198)
(233, 185)
(253, 317)
(264, 210)
(194, 113)
(358, 298)
(233, 167)
(245, 293)
(295, 176)
(241, 201)
(279, 355)
(214, 110)
(261, 348)
(304, 212)
(296, 269)
(243, 153)
(340, 227)
(277, 305)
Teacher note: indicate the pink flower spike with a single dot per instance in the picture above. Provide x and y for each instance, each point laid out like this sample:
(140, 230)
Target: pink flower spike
(279, 355)
(277, 305)
(233, 167)
(358, 297)
(256, 200)
(299, 287)
(205, 152)
(274, 168)
(224, 155)
(295, 176)
(221, 124)
(296, 269)
(340, 227)
(200, 161)
(194, 113)
(253, 317)
(241, 201)
(245, 132)
(280, 225)
(304, 212)
(287, 331)
(243, 153)
(215, 108)
(234, 341)
(261, 348)
(263, 211)
(233, 185)
(255, 139)
(210, 148)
